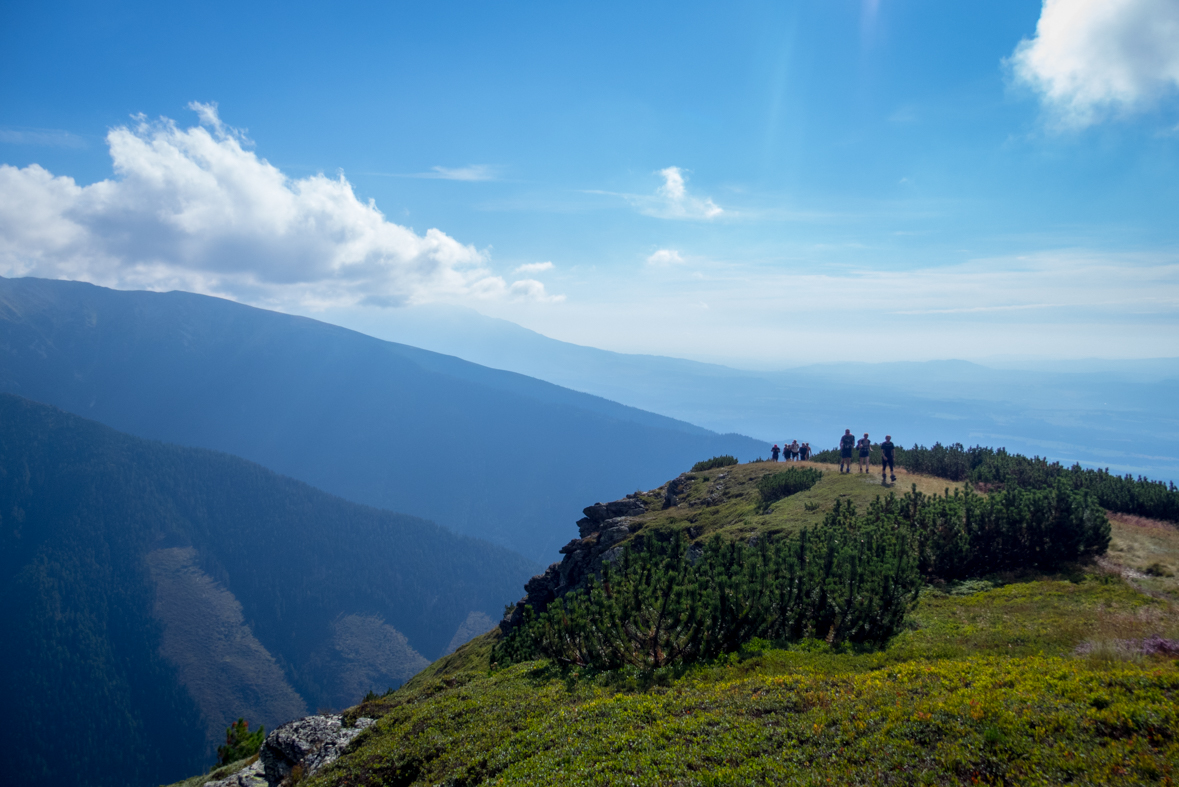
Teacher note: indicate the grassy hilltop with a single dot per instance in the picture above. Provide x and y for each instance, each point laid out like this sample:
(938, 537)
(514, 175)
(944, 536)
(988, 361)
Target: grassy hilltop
(1017, 677)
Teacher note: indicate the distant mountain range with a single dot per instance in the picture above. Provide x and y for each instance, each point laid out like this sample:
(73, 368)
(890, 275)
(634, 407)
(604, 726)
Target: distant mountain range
(485, 452)
(1104, 413)
(154, 593)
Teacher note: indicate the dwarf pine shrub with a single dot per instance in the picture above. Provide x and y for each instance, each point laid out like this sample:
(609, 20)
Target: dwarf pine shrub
(714, 462)
(790, 482)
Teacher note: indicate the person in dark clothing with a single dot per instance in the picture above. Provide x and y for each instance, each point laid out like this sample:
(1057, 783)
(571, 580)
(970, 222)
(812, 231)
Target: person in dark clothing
(805, 451)
(774, 452)
(887, 450)
(865, 446)
(846, 444)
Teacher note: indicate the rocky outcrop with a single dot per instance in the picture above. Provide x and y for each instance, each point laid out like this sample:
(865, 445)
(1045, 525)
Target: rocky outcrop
(307, 744)
(602, 528)
(675, 488)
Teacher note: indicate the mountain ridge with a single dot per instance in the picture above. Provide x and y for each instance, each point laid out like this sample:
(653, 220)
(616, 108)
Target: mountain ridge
(484, 452)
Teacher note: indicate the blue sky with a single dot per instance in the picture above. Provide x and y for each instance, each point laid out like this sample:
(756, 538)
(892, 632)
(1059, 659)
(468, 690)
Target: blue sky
(752, 183)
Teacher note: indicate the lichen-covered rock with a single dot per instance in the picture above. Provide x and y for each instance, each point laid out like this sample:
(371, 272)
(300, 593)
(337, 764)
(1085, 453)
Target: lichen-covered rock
(250, 776)
(310, 743)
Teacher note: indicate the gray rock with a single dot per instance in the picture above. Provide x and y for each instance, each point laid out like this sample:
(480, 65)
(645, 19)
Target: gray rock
(675, 488)
(608, 538)
(611, 555)
(311, 743)
(625, 507)
(249, 776)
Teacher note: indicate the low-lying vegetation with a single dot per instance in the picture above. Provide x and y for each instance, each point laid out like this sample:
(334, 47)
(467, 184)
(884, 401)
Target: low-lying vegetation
(713, 463)
(789, 482)
(984, 685)
(850, 581)
(990, 467)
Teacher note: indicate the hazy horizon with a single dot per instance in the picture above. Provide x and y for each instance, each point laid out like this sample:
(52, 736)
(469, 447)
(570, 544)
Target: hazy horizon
(760, 185)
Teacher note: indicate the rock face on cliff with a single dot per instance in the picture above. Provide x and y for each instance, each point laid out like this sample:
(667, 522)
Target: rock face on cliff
(602, 528)
(307, 745)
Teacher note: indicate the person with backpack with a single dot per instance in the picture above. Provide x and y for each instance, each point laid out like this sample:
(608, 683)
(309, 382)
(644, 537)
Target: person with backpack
(865, 446)
(774, 452)
(846, 444)
(887, 450)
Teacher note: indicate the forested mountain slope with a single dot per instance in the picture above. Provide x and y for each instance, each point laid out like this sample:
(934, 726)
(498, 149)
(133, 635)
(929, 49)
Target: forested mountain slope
(485, 452)
(153, 593)
(766, 624)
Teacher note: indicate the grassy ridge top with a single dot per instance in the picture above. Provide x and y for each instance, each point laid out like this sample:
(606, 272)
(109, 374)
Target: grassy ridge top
(1015, 679)
(1021, 678)
(724, 501)
(985, 686)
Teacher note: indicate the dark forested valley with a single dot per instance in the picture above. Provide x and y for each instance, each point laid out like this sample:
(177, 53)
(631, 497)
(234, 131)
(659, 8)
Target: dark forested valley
(153, 593)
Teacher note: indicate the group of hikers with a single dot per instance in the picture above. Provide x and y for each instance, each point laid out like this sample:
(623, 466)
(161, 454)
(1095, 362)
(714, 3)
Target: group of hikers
(795, 451)
(847, 445)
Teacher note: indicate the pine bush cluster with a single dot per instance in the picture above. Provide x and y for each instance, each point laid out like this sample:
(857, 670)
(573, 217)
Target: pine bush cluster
(979, 465)
(851, 580)
(714, 462)
(790, 482)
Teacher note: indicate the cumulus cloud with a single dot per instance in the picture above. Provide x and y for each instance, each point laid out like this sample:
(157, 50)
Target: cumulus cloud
(665, 257)
(534, 267)
(1091, 59)
(195, 209)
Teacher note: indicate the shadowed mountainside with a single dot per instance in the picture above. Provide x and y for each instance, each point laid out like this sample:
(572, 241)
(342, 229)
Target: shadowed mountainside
(487, 453)
(153, 593)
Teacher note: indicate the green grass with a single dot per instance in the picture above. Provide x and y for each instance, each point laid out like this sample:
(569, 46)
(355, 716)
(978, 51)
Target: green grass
(726, 501)
(1006, 679)
(984, 687)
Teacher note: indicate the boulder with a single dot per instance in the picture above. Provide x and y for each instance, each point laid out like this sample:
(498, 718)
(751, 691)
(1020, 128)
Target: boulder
(309, 743)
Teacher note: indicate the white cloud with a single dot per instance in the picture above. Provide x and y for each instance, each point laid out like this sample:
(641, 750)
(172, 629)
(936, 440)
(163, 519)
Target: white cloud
(43, 137)
(194, 209)
(472, 172)
(1095, 58)
(665, 257)
(534, 267)
(678, 203)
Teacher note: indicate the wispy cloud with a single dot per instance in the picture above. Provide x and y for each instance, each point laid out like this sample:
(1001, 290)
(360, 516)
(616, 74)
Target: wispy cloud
(665, 257)
(534, 267)
(1091, 59)
(675, 201)
(43, 137)
(472, 172)
(671, 200)
(194, 209)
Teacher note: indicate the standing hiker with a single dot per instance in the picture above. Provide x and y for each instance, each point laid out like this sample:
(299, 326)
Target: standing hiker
(794, 450)
(805, 451)
(846, 444)
(774, 452)
(886, 461)
(865, 446)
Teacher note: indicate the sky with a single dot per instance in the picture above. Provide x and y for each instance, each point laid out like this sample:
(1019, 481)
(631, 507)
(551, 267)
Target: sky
(757, 184)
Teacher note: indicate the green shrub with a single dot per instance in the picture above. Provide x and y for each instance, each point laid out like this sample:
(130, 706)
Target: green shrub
(1126, 494)
(792, 481)
(849, 581)
(716, 461)
(240, 743)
